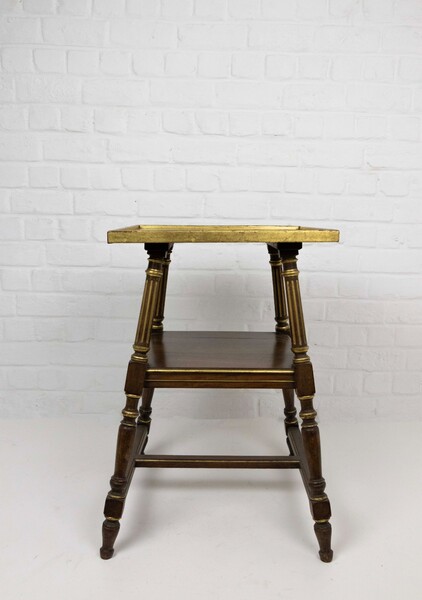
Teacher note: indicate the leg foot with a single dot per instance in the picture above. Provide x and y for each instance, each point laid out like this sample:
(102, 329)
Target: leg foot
(323, 533)
(110, 531)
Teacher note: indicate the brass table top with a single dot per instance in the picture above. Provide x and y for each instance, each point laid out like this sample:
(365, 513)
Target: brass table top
(220, 233)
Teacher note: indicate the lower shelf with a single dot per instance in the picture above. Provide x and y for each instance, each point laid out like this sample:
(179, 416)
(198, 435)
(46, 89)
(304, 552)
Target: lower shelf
(220, 359)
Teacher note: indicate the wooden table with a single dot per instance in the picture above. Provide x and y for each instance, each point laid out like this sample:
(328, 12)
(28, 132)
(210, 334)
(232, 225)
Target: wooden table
(214, 359)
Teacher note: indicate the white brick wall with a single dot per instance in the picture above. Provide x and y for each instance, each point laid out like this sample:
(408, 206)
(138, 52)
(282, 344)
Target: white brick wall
(114, 112)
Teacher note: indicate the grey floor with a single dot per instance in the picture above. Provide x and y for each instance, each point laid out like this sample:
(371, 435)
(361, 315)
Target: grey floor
(208, 534)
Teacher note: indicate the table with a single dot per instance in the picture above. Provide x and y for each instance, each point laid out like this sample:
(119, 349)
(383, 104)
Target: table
(214, 359)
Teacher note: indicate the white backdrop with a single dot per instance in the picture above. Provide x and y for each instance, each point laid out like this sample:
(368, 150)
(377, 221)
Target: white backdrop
(209, 111)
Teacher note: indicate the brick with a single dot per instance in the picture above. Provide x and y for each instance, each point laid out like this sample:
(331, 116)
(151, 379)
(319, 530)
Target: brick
(144, 121)
(405, 128)
(361, 209)
(287, 38)
(331, 182)
(178, 121)
(235, 179)
(181, 64)
(368, 127)
(247, 94)
(381, 335)
(362, 184)
(48, 88)
(347, 68)
(137, 178)
(313, 66)
(377, 383)
(110, 120)
(83, 62)
(105, 178)
(244, 123)
(376, 97)
(108, 8)
(44, 177)
(17, 59)
(138, 150)
(211, 9)
(244, 9)
(40, 228)
(267, 180)
(11, 228)
(280, 66)
(379, 68)
(74, 229)
(185, 93)
(250, 65)
(397, 38)
(21, 253)
(229, 206)
(398, 155)
(323, 154)
(348, 383)
(177, 9)
(336, 38)
(299, 181)
(204, 151)
(169, 178)
(311, 10)
(112, 92)
(314, 96)
(7, 88)
(394, 184)
(19, 147)
(148, 62)
(39, 6)
(74, 32)
(202, 180)
(268, 154)
(79, 8)
(74, 177)
(17, 30)
(141, 34)
(13, 176)
(146, 8)
(410, 68)
(214, 64)
(75, 148)
(308, 126)
(114, 62)
(216, 35)
(104, 203)
(212, 122)
(276, 123)
(344, 8)
(42, 202)
(273, 9)
(16, 279)
(50, 60)
(76, 118)
(340, 126)
(13, 118)
(76, 254)
(378, 10)
(407, 382)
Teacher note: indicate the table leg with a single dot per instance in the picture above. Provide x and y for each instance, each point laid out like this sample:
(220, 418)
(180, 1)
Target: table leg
(305, 390)
(128, 437)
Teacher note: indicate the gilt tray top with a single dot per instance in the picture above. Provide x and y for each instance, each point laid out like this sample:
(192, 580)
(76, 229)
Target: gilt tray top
(220, 233)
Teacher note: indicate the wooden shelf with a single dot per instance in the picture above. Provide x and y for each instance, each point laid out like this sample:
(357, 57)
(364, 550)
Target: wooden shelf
(220, 359)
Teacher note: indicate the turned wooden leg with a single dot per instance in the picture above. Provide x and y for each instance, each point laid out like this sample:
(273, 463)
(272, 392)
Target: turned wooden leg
(305, 390)
(318, 500)
(132, 435)
(144, 419)
(290, 419)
